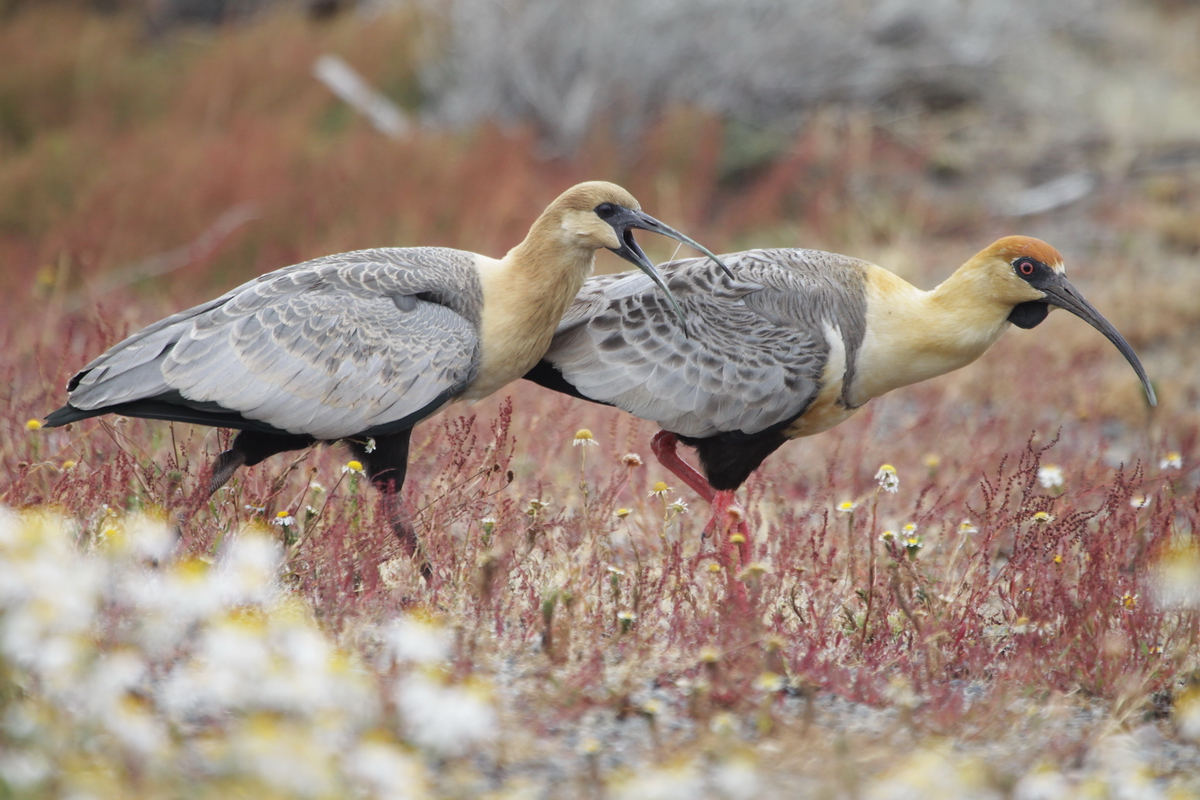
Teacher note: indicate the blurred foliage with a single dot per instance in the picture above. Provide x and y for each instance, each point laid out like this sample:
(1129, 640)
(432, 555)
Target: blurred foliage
(147, 162)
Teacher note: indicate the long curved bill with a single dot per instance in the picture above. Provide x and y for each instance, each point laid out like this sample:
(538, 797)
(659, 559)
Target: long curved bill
(624, 221)
(1061, 293)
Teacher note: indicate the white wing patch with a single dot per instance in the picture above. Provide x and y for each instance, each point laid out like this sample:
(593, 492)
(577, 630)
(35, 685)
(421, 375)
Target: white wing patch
(826, 411)
(835, 364)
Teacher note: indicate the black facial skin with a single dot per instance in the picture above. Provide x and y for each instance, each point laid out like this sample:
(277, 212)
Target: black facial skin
(1031, 314)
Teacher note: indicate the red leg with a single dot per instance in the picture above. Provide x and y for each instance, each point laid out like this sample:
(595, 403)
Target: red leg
(726, 513)
(663, 445)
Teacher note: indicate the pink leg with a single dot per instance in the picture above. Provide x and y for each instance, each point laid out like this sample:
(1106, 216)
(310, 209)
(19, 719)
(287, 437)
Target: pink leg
(724, 509)
(663, 445)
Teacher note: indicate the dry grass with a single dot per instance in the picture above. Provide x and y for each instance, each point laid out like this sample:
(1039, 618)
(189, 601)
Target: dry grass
(846, 664)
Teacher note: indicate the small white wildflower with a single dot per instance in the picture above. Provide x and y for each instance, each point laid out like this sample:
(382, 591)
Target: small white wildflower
(1042, 518)
(369, 447)
(846, 506)
(1173, 460)
(284, 519)
(659, 489)
(631, 460)
(353, 468)
(967, 527)
(1139, 501)
(887, 536)
(888, 480)
(255, 509)
(584, 437)
(622, 513)
(616, 572)
(1050, 476)
(679, 507)
(317, 487)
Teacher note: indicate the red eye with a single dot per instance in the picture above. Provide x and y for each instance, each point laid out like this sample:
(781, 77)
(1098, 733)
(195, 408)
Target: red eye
(1026, 266)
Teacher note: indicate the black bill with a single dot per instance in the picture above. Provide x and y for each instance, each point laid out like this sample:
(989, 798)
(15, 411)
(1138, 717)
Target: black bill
(1061, 293)
(624, 220)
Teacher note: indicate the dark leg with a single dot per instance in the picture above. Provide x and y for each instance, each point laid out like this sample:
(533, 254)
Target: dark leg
(387, 466)
(248, 449)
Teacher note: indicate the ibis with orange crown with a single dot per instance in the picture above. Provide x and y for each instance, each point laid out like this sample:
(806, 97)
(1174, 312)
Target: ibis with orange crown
(794, 343)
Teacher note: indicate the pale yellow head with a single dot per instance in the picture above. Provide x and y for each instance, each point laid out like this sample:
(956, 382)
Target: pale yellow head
(581, 215)
(1007, 271)
(587, 217)
(1026, 275)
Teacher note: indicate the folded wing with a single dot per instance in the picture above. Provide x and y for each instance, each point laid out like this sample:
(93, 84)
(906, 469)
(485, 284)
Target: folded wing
(366, 342)
(757, 348)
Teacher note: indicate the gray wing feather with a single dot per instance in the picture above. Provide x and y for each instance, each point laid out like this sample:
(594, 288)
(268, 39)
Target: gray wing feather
(757, 350)
(330, 347)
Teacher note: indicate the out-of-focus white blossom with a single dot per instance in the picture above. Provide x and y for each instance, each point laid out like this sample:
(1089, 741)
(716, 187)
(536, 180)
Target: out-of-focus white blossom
(1175, 578)
(1050, 476)
(737, 779)
(413, 638)
(682, 781)
(449, 720)
(385, 771)
(933, 773)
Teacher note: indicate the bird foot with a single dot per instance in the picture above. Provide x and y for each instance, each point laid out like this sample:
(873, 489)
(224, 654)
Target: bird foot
(224, 465)
(397, 514)
(728, 525)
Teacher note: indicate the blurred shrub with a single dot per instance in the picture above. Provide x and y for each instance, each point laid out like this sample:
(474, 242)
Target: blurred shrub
(563, 64)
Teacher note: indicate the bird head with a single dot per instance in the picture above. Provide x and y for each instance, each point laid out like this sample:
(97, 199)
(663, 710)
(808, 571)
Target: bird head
(1028, 274)
(600, 214)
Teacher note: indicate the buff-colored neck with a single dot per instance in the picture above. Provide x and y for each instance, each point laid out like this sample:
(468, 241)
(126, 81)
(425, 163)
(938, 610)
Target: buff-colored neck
(913, 335)
(525, 295)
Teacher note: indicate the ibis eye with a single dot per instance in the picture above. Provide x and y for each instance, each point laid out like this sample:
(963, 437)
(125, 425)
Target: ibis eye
(1026, 266)
(605, 210)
